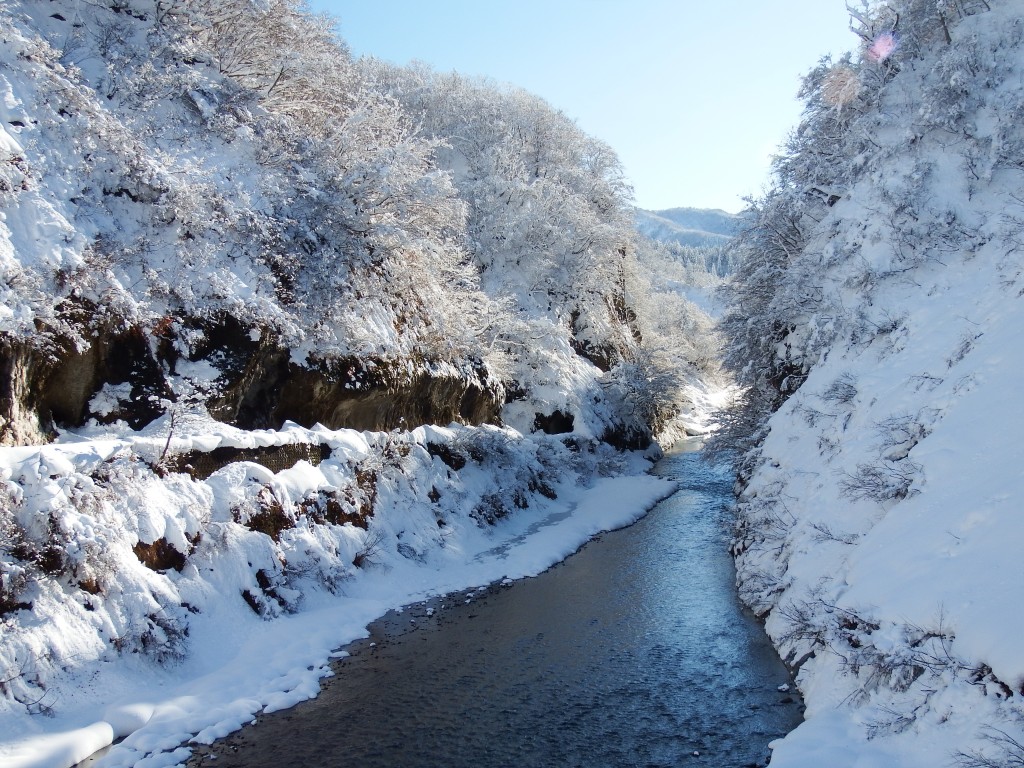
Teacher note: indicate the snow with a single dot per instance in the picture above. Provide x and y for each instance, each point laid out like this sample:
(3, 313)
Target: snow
(235, 663)
(879, 530)
(880, 527)
(943, 560)
(156, 194)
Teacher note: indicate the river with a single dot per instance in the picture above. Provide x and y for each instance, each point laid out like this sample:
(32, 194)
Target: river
(633, 652)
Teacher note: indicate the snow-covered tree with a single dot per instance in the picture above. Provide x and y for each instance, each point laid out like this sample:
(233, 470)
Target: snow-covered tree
(549, 215)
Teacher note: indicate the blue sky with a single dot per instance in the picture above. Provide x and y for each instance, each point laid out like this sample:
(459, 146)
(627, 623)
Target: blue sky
(694, 95)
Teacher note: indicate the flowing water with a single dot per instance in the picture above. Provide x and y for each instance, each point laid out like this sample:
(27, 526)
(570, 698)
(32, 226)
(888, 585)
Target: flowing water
(633, 652)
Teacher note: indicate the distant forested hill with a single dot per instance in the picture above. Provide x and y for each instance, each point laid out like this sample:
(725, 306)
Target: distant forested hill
(689, 226)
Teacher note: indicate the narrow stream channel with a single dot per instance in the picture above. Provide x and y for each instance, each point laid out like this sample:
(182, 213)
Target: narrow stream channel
(633, 652)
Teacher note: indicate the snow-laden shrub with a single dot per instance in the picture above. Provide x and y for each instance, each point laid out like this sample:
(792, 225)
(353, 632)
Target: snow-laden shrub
(1001, 750)
(842, 391)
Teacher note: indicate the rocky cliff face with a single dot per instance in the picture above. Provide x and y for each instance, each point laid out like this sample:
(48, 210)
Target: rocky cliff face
(253, 383)
(21, 370)
(273, 389)
(42, 388)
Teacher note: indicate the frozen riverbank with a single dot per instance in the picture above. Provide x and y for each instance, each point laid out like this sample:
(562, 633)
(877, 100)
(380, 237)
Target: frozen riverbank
(259, 614)
(634, 650)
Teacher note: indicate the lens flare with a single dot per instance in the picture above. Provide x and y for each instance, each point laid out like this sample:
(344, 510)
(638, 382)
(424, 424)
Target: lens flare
(882, 47)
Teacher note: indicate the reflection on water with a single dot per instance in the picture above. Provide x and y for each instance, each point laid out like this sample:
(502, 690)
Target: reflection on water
(634, 652)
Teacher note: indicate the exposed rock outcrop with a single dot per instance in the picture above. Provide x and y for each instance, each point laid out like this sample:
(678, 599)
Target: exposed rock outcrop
(255, 384)
(44, 388)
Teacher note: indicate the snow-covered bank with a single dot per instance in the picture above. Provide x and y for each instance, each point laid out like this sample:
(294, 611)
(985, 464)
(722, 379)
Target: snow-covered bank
(892, 562)
(277, 569)
(878, 314)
